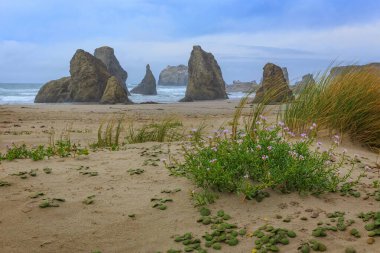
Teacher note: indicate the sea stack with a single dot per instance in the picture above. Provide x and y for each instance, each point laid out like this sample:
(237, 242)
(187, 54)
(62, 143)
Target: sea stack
(174, 76)
(107, 56)
(147, 85)
(115, 92)
(274, 88)
(374, 66)
(307, 80)
(238, 86)
(205, 77)
(56, 91)
(89, 77)
(286, 74)
(90, 82)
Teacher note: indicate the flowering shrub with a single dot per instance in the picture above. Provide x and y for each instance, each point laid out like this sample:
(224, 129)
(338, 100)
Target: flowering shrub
(267, 157)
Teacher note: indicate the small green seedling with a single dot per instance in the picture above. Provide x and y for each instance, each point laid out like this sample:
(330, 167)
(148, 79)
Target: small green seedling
(135, 171)
(36, 195)
(47, 170)
(89, 200)
(4, 183)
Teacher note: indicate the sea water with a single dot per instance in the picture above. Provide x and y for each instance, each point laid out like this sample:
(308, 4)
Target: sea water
(24, 93)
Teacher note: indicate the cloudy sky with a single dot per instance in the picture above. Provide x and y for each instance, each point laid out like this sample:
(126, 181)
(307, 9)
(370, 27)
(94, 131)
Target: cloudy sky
(39, 37)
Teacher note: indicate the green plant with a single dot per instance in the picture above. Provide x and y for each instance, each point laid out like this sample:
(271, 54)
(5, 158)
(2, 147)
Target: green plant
(203, 198)
(4, 183)
(348, 102)
(269, 237)
(165, 130)
(196, 134)
(250, 164)
(261, 156)
(110, 136)
(61, 148)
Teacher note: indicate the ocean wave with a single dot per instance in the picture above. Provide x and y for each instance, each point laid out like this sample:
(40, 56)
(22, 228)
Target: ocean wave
(25, 94)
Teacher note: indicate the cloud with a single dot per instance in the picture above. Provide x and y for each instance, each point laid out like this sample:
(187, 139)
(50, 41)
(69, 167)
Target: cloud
(240, 54)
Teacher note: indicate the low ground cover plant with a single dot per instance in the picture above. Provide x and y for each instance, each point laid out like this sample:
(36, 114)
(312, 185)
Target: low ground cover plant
(262, 156)
(266, 159)
(62, 148)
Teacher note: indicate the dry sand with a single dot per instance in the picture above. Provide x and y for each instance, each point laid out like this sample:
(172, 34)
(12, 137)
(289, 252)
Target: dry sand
(105, 224)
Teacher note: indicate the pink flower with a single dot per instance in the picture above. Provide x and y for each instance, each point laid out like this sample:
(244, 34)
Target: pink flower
(258, 147)
(303, 135)
(269, 148)
(281, 123)
(213, 161)
(263, 117)
(264, 157)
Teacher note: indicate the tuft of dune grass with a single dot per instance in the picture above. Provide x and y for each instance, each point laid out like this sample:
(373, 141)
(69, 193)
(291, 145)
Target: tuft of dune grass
(348, 102)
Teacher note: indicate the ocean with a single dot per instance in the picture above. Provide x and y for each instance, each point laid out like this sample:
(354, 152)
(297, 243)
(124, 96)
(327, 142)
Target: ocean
(24, 93)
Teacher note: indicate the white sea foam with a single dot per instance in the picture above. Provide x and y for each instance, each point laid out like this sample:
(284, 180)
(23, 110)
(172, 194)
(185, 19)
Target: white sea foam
(24, 93)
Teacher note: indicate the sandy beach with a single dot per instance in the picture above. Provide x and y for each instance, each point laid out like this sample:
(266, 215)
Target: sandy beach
(105, 225)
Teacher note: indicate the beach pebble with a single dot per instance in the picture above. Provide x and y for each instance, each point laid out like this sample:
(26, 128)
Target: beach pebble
(314, 215)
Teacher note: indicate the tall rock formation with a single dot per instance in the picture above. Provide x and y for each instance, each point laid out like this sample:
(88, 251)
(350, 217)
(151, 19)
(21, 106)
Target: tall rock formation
(107, 56)
(174, 76)
(90, 81)
(56, 91)
(205, 77)
(246, 87)
(307, 80)
(89, 77)
(286, 74)
(344, 69)
(147, 85)
(115, 92)
(274, 88)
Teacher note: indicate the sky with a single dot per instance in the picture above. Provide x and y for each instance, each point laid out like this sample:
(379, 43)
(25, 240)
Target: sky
(39, 37)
